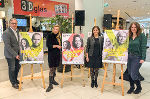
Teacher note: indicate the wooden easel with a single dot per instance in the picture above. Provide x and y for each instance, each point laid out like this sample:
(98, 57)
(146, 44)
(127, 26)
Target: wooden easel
(71, 76)
(22, 65)
(113, 78)
(114, 68)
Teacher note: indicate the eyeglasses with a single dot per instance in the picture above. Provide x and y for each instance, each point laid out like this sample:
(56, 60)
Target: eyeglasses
(14, 23)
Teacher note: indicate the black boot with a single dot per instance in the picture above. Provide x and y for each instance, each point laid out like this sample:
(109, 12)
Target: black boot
(96, 85)
(53, 81)
(92, 83)
(50, 87)
(131, 86)
(92, 79)
(139, 88)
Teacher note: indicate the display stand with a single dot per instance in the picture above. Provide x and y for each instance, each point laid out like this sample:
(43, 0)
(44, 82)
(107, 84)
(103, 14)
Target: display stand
(71, 75)
(114, 68)
(32, 77)
(113, 78)
(22, 65)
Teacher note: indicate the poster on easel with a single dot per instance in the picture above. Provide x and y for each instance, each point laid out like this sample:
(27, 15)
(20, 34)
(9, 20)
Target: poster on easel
(115, 49)
(31, 47)
(72, 48)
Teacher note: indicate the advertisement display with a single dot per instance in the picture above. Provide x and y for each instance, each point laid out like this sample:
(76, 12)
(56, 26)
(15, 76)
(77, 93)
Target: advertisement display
(41, 8)
(31, 47)
(115, 49)
(72, 48)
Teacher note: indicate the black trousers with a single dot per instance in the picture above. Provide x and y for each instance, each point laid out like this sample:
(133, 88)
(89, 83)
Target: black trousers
(134, 66)
(14, 67)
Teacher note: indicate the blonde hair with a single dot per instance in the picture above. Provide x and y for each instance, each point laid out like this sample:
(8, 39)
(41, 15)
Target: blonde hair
(59, 35)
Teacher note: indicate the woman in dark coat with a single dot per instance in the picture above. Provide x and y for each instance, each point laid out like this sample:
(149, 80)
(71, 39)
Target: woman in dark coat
(94, 54)
(53, 44)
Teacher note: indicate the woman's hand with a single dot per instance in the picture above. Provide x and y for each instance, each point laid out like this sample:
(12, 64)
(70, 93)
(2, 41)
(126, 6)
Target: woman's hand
(87, 59)
(57, 46)
(141, 61)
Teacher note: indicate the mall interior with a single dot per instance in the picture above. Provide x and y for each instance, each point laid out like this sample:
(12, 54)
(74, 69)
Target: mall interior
(85, 14)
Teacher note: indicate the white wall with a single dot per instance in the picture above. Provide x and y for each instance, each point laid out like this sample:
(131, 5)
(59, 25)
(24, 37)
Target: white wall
(93, 9)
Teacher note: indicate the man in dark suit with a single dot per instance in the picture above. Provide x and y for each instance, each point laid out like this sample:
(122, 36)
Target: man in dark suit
(11, 51)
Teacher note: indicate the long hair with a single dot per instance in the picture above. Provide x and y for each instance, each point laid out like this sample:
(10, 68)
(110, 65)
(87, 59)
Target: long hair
(27, 43)
(68, 44)
(74, 38)
(99, 33)
(139, 30)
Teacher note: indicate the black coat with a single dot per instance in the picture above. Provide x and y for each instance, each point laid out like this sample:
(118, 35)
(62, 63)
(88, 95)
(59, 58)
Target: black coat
(53, 53)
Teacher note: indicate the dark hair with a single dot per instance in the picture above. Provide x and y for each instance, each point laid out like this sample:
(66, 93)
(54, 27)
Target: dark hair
(27, 43)
(68, 44)
(139, 30)
(99, 33)
(73, 42)
(33, 36)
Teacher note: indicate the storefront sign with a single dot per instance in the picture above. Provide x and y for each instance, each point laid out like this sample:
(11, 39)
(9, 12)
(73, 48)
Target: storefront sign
(41, 8)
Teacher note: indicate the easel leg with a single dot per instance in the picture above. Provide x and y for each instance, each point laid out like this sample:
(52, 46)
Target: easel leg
(106, 65)
(42, 76)
(63, 76)
(21, 77)
(122, 80)
(31, 71)
(71, 71)
(89, 73)
(104, 69)
(114, 73)
(82, 74)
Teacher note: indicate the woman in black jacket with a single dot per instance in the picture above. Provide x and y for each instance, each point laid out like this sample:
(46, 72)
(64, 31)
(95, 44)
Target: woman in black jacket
(94, 54)
(54, 46)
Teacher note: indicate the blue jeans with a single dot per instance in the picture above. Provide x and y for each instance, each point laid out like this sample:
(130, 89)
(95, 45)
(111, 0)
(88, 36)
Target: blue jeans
(14, 67)
(133, 66)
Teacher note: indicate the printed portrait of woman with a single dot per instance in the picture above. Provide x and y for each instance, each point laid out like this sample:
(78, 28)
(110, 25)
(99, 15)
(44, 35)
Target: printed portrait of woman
(66, 45)
(77, 42)
(24, 49)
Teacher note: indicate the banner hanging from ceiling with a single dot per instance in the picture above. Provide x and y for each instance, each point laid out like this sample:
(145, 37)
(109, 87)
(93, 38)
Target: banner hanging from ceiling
(41, 8)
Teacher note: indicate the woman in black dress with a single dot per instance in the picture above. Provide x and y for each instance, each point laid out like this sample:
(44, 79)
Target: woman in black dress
(53, 44)
(94, 54)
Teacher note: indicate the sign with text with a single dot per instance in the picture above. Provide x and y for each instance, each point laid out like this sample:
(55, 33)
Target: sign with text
(41, 8)
(72, 48)
(31, 47)
(115, 49)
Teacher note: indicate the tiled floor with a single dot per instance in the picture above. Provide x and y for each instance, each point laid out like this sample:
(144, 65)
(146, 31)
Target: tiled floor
(74, 89)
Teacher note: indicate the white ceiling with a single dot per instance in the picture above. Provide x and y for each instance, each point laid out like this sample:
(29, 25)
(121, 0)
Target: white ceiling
(129, 9)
